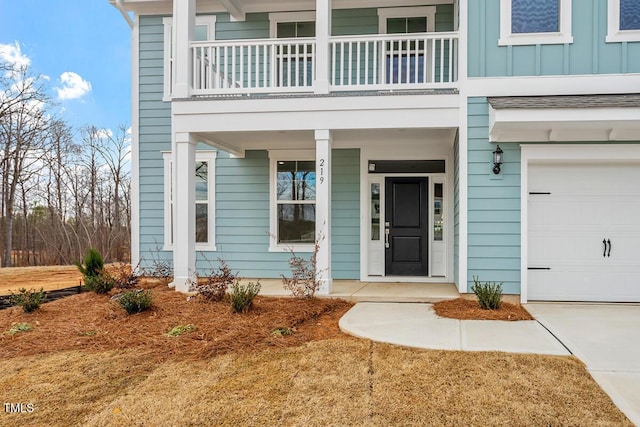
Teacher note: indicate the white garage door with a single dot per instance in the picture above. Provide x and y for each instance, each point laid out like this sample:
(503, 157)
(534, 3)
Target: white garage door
(584, 231)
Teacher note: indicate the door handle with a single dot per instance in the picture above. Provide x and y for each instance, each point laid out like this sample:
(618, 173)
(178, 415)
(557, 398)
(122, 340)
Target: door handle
(604, 242)
(386, 238)
(609, 253)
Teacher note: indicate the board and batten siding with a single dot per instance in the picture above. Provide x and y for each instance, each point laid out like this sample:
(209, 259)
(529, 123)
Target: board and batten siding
(588, 54)
(493, 205)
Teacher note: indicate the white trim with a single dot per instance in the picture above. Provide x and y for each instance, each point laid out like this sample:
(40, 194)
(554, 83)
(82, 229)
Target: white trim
(274, 157)
(614, 33)
(135, 143)
(201, 156)
(276, 18)
(463, 84)
(563, 36)
(205, 20)
(559, 152)
(552, 85)
(406, 12)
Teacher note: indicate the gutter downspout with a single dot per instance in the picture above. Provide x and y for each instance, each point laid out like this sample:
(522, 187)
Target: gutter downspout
(120, 7)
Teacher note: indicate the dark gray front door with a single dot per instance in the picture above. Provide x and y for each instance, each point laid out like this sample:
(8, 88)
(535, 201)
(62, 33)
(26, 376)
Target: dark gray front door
(406, 221)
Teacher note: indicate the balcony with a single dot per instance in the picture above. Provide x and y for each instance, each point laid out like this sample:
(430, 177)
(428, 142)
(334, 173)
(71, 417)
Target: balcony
(378, 62)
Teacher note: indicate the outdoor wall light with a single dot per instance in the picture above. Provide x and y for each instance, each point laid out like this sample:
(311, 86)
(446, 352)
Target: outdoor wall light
(497, 159)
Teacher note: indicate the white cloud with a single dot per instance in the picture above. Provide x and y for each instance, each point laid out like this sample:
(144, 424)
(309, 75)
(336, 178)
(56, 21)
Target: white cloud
(12, 54)
(73, 86)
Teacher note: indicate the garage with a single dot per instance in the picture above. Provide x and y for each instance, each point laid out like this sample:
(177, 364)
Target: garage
(582, 223)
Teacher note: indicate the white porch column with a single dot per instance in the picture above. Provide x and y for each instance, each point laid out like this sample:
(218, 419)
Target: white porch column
(184, 20)
(323, 57)
(323, 209)
(184, 211)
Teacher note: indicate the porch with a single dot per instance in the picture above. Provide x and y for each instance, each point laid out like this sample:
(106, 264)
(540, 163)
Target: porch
(359, 291)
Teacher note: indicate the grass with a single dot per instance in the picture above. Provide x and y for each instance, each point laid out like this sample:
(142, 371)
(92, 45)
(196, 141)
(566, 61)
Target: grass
(328, 382)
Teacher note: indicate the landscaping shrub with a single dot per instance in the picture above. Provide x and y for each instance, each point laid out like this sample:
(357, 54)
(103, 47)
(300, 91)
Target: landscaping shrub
(135, 301)
(101, 283)
(216, 283)
(303, 282)
(126, 277)
(29, 300)
(242, 296)
(489, 294)
(93, 264)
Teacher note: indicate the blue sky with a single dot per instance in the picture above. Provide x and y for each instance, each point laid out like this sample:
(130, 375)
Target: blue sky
(83, 46)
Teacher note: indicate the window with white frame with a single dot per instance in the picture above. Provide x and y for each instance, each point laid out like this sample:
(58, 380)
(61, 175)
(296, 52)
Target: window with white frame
(405, 60)
(205, 30)
(205, 200)
(294, 66)
(623, 21)
(293, 199)
(531, 22)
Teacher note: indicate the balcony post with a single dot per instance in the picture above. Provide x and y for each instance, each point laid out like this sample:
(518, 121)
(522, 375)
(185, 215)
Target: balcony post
(323, 57)
(184, 19)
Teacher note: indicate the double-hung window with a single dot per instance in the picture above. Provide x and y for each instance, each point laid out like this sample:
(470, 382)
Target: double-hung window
(294, 65)
(205, 200)
(407, 60)
(531, 22)
(203, 31)
(293, 200)
(623, 21)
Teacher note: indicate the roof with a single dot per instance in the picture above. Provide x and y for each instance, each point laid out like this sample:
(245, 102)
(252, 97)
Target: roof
(566, 101)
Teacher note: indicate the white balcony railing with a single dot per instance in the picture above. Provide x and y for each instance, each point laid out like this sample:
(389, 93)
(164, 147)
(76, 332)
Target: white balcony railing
(371, 62)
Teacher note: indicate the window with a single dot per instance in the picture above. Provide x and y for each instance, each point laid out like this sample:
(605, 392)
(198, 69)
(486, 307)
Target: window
(294, 65)
(405, 59)
(293, 200)
(205, 200)
(205, 30)
(623, 21)
(531, 22)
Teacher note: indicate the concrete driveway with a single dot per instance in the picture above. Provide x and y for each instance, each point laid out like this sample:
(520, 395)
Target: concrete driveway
(606, 337)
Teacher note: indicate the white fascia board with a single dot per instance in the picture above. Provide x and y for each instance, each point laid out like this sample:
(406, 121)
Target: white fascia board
(556, 124)
(553, 85)
(305, 120)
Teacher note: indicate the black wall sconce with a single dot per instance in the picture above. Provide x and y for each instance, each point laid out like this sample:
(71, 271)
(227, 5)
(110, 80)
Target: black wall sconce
(497, 160)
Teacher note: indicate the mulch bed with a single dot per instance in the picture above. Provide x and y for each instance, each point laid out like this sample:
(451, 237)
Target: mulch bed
(93, 322)
(465, 309)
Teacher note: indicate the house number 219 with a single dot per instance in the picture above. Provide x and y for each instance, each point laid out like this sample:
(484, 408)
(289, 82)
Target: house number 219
(321, 163)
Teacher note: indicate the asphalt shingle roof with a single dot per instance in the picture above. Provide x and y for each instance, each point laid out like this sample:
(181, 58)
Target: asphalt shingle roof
(566, 101)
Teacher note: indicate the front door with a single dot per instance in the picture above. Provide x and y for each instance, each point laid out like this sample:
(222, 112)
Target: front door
(406, 242)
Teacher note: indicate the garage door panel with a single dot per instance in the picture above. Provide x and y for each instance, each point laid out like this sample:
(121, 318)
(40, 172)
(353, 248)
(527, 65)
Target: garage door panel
(580, 205)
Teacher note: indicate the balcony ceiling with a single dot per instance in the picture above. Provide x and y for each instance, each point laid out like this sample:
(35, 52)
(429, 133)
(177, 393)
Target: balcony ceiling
(238, 8)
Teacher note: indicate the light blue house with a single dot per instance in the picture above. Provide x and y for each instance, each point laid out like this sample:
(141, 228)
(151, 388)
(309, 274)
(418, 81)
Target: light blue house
(375, 129)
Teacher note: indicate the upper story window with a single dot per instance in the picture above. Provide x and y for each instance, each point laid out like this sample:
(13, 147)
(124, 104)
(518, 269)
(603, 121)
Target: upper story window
(530, 22)
(205, 30)
(406, 60)
(623, 21)
(293, 200)
(205, 200)
(294, 66)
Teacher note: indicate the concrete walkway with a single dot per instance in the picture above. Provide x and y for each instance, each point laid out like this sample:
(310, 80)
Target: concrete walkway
(416, 325)
(603, 336)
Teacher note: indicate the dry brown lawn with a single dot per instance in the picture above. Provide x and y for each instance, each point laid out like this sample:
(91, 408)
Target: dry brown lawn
(50, 278)
(87, 363)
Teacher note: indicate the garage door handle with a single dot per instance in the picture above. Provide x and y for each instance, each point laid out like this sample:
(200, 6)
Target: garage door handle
(604, 242)
(609, 253)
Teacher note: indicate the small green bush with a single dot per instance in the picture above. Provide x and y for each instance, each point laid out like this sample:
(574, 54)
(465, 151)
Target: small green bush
(19, 327)
(179, 330)
(242, 296)
(29, 300)
(489, 294)
(135, 301)
(93, 264)
(101, 283)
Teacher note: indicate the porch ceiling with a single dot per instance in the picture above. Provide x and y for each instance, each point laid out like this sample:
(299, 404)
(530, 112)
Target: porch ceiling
(238, 142)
